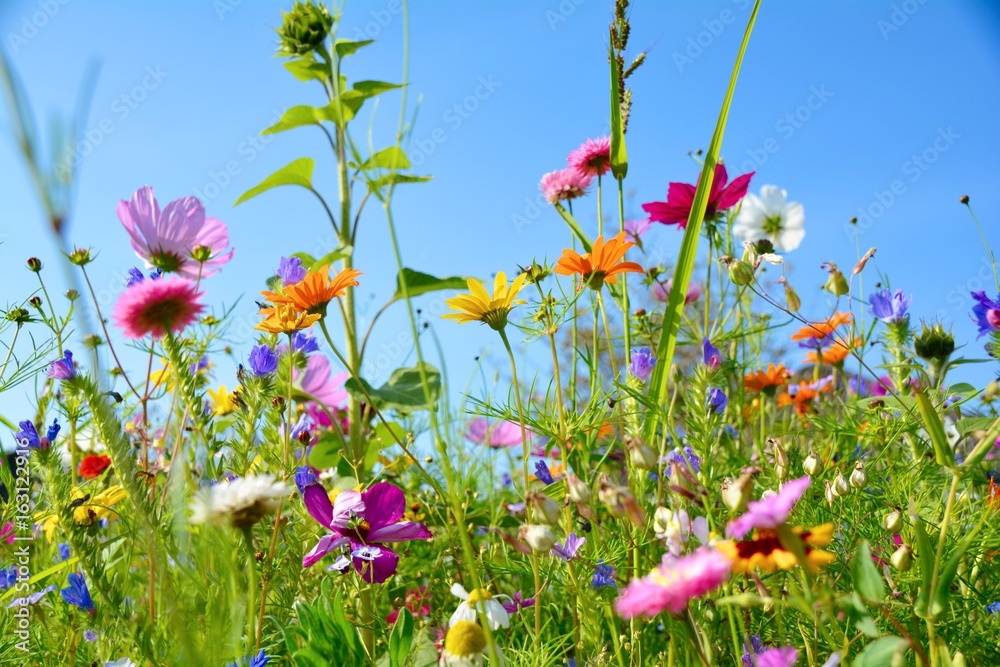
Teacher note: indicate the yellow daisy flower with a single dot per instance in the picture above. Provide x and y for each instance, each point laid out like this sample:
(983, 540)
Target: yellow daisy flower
(86, 512)
(285, 318)
(479, 306)
(222, 401)
(765, 551)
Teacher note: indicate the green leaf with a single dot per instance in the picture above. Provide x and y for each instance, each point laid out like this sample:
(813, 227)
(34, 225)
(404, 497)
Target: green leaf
(346, 47)
(396, 179)
(879, 652)
(867, 580)
(619, 157)
(327, 452)
(925, 554)
(383, 436)
(329, 258)
(403, 392)
(307, 259)
(373, 88)
(298, 173)
(689, 246)
(970, 424)
(950, 569)
(963, 388)
(983, 447)
(294, 117)
(387, 158)
(401, 639)
(935, 429)
(418, 283)
(306, 69)
(343, 109)
(574, 226)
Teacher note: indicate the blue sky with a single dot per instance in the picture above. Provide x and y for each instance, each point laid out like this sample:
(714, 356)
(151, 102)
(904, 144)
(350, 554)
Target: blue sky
(877, 109)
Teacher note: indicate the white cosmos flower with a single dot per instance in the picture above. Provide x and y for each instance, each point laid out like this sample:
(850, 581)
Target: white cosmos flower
(242, 501)
(466, 611)
(771, 216)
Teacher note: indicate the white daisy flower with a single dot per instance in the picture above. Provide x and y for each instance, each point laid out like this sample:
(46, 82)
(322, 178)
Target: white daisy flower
(466, 611)
(771, 216)
(465, 646)
(241, 502)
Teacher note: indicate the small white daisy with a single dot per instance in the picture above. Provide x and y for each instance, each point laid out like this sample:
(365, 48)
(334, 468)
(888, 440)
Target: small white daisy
(465, 645)
(241, 502)
(466, 611)
(771, 216)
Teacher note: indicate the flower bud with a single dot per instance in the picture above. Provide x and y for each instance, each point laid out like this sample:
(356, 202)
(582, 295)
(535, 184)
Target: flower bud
(836, 283)
(539, 538)
(546, 509)
(740, 273)
(893, 521)
(840, 486)
(92, 341)
(661, 520)
(81, 257)
(992, 392)
(72, 294)
(577, 489)
(828, 492)
(858, 478)
(19, 315)
(34, 264)
(304, 29)
(792, 300)
(620, 501)
(780, 456)
(812, 465)
(736, 495)
(934, 343)
(641, 454)
(902, 558)
(36, 302)
(781, 472)
(201, 253)
(958, 660)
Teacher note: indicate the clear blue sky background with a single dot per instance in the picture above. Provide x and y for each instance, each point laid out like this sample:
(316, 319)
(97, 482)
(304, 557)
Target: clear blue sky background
(895, 77)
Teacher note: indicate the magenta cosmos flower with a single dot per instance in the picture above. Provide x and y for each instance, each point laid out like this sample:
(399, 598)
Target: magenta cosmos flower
(498, 434)
(680, 197)
(769, 512)
(557, 186)
(674, 583)
(364, 522)
(592, 158)
(167, 239)
(783, 656)
(157, 307)
(317, 382)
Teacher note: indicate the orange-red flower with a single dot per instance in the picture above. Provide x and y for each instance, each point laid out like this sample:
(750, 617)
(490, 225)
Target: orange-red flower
(92, 466)
(993, 497)
(312, 293)
(767, 380)
(804, 395)
(833, 355)
(823, 329)
(601, 264)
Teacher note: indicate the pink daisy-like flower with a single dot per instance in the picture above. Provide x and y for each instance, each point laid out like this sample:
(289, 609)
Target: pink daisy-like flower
(564, 184)
(592, 158)
(680, 197)
(674, 583)
(769, 512)
(499, 434)
(317, 382)
(784, 656)
(157, 307)
(662, 292)
(167, 239)
(634, 229)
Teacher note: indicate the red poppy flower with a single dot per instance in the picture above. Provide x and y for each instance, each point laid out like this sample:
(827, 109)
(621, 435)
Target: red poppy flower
(92, 466)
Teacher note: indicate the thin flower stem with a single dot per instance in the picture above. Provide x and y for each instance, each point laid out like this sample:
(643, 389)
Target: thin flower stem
(10, 350)
(288, 421)
(251, 586)
(104, 328)
(627, 324)
(993, 261)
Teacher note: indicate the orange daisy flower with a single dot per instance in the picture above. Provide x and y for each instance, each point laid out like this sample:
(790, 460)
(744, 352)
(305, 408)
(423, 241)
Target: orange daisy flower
(285, 318)
(601, 264)
(823, 329)
(767, 380)
(833, 355)
(312, 293)
(804, 395)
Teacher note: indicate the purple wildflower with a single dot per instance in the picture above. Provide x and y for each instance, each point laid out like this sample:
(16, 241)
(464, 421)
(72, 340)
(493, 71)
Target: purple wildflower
(769, 512)
(63, 369)
(716, 400)
(642, 363)
(28, 435)
(543, 474)
(8, 577)
(77, 593)
(889, 306)
(604, 576)
(567, 552)
(710, 355)
(290, 270)
(263, 361)
(986, 313)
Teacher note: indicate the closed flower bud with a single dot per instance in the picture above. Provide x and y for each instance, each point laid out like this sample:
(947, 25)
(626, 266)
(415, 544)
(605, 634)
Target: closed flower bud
(991, 393)
(780, 456)
(934, 343)
(840, 486)
(812, 465)
(792, 300)
(81, 257)
(72, 294)
(641, 454)
(740, 273)
(304, 29)
(858, 478)
(19, 315)
(902, 558)
(737, 494)
(893, 521)
(92, 341)
(539, 538)
(620, 501)
(577, 489)
(36, 302)
(828, 492)
(34, 264)
(546, 509)
(781, 472)
(661, 520)
(836, 283)
(201, 253)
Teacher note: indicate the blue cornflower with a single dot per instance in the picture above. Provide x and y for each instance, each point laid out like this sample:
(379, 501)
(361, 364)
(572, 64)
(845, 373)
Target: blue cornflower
(64, 551)
(756, 648)
(290, 270)
(710, 355)
(304, 342)
(198, 366)
(28, 435)
(716, 400)
(604, 576)
(685, 457)
(889, 306)
(543, 474)
(134, 277)
(77, 593)
(53, 431)
(506, 480)
(63, 369)
(304, 476)
(986, 313)
(8, 577)
(993, 608)
(263, 361)
(642, 363)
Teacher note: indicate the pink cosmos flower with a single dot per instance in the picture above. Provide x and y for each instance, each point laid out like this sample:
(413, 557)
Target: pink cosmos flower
(157, 307)
(784, 656)
(166, 239)
(680, 198)
(316, 381)
(365, 522)
(592, 158)
(563, 184)
(499, 434)
(674, 583)
(769, 512)
(7, 533)
(634, 229)
(662, 292)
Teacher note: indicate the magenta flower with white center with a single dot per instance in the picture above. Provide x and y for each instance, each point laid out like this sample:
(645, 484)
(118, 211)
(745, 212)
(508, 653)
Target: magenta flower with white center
(366, 522)
(769, 512)
(168, 239)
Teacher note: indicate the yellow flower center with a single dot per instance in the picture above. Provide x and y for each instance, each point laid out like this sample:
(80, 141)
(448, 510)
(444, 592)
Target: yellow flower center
(464, 639)
(479, 595)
